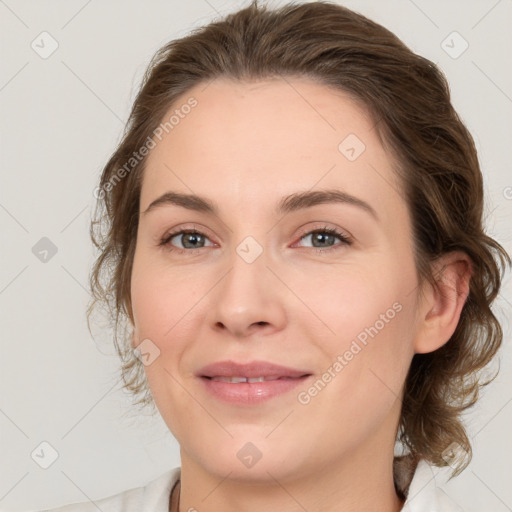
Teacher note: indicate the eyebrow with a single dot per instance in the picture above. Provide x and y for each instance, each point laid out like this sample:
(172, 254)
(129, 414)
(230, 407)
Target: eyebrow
(288, 204)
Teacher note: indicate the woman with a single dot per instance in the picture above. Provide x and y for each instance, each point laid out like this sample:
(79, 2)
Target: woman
(292, 228)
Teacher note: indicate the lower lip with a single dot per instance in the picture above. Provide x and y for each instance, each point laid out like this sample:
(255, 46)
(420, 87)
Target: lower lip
(251, 393)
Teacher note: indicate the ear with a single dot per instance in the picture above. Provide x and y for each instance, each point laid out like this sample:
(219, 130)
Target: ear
(441, 305)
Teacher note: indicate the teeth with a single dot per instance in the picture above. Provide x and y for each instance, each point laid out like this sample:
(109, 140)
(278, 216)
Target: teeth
(236, 380)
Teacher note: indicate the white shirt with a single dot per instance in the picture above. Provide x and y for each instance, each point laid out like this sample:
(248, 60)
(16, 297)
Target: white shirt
(423, 496)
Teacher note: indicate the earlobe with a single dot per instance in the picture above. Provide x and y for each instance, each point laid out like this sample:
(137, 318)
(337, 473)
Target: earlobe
(440, 313)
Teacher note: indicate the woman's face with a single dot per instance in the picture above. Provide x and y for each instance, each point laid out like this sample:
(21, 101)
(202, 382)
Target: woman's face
(264, 281)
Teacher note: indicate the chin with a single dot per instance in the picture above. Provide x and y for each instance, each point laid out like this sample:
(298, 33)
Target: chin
(252, 457)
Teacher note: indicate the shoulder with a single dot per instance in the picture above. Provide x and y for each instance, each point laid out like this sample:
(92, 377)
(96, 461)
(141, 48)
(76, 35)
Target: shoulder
(425, 495)
(153, 496)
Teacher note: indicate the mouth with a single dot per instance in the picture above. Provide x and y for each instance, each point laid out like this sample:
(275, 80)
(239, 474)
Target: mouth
(250, 383)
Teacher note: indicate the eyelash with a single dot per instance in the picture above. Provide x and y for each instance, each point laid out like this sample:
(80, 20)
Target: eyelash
(345, 240)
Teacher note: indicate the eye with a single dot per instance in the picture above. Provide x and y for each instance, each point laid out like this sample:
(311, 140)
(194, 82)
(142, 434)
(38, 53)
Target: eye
(189, 239)
(324, 237)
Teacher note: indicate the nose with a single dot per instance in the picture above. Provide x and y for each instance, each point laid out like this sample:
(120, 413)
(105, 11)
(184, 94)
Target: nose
(248, 298)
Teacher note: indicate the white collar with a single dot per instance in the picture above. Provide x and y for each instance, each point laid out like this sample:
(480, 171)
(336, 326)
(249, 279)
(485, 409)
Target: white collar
(425, 496)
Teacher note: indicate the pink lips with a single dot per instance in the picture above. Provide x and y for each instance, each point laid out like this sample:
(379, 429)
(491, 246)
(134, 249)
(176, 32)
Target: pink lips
(278, 380)
(254, 369)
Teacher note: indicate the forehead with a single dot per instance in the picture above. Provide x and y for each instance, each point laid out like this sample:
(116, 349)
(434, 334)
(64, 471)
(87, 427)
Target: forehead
(247, 144)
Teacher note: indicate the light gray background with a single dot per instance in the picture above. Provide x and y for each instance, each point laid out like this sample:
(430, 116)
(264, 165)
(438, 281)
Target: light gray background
(61, 118)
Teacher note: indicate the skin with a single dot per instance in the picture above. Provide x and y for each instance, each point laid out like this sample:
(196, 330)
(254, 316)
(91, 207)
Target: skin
(244, 147)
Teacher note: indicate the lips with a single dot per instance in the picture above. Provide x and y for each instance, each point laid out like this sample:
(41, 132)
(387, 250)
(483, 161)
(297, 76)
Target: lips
(256, 371)
(250, 384)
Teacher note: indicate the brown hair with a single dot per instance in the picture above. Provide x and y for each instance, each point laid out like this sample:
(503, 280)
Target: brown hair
(409, 99)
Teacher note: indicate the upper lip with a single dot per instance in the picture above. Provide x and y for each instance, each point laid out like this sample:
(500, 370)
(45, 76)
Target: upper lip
(250, 370)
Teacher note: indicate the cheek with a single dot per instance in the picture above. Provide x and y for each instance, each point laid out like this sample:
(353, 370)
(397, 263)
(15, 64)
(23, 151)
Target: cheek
(367, 321)
(347, 300)
(162, 302)
(167, 308)
(163, 298)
